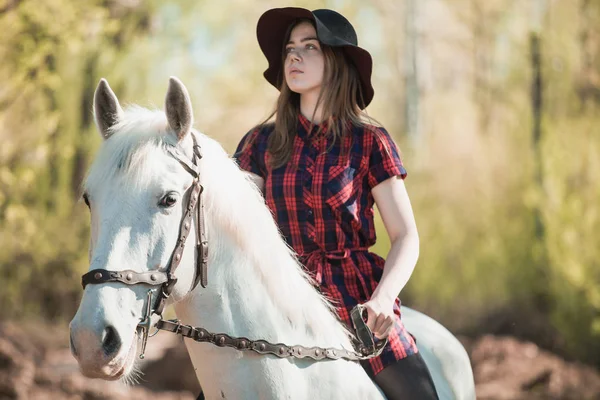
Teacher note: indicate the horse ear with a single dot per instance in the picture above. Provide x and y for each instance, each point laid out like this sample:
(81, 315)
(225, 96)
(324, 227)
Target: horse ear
(178, 108)
(107, 110)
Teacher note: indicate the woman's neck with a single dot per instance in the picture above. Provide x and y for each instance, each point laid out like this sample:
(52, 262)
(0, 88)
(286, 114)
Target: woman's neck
(308, 104)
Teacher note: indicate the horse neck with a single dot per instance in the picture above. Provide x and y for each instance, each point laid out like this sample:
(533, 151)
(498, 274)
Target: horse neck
(256, 287)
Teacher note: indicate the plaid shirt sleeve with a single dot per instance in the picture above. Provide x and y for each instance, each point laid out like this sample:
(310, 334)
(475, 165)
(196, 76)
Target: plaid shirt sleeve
(384, 159)
(247, 155)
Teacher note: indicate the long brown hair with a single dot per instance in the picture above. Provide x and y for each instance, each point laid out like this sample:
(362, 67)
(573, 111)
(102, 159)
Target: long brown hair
(340, 95)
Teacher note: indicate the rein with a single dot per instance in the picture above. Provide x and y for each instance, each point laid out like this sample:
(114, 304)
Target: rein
(364, 343)
(281, 350)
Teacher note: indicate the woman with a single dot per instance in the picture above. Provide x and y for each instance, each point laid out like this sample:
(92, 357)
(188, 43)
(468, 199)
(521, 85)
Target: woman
(322, 168)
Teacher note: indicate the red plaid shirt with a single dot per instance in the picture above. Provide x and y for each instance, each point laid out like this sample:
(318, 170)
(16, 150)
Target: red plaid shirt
(322, 202)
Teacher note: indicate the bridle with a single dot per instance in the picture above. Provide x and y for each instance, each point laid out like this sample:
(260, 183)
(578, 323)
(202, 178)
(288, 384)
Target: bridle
(365, 345)
(167, 279)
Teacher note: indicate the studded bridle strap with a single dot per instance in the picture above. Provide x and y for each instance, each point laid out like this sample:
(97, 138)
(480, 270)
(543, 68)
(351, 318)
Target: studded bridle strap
(184, 231)
(128, 277)
(280, 350)
(201, 273)
(201, 237)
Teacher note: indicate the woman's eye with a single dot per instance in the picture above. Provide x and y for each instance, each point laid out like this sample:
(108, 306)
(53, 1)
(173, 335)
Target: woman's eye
(288, 50)
(311, 46)
(168, 201)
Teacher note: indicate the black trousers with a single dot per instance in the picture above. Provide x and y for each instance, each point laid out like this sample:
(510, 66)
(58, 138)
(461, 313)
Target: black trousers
(407, 379)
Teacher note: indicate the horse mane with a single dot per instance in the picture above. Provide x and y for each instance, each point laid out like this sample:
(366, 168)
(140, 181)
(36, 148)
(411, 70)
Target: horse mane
(231, 198)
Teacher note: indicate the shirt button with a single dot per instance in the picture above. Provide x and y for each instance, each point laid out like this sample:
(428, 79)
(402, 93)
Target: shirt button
(309, 212)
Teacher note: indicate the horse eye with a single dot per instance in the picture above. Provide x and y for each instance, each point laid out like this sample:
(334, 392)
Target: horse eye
(168, 201)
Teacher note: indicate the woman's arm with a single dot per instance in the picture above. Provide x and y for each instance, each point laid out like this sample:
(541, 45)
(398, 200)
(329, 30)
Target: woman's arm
(396, 212)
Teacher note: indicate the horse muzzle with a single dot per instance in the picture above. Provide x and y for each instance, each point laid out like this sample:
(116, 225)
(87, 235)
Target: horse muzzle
(101, 353)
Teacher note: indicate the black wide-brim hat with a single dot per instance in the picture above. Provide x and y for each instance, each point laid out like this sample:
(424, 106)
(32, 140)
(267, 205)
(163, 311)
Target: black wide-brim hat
(332, 28)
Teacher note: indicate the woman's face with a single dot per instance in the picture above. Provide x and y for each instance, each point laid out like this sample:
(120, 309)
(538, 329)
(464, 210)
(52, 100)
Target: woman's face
(304, 61)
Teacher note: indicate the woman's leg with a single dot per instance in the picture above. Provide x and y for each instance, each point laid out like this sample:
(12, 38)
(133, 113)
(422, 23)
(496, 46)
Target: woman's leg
(407, 379)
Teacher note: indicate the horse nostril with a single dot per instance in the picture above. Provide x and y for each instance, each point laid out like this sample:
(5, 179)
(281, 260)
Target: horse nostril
(111, 341)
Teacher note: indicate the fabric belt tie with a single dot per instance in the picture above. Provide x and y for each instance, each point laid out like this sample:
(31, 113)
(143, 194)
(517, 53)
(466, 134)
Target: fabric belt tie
(315, 260)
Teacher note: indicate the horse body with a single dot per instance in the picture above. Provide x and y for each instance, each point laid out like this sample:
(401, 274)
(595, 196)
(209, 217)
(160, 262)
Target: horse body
(256, 287)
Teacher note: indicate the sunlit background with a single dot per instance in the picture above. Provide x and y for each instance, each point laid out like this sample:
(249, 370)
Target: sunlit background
(494, 104)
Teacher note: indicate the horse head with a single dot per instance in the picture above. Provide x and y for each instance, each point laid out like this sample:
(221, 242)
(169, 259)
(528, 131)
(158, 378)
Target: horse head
(138, 190)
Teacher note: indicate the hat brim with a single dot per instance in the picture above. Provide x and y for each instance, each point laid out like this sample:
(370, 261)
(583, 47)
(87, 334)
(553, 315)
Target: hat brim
(271, 29)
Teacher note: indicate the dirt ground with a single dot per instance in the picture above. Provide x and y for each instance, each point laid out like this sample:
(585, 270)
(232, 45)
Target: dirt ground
(35, 363)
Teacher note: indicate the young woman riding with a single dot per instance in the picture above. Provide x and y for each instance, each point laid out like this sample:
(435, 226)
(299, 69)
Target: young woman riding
(322, 165)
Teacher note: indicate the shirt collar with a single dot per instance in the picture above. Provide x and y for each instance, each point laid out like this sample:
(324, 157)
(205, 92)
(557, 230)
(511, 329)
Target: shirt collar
(304, 127)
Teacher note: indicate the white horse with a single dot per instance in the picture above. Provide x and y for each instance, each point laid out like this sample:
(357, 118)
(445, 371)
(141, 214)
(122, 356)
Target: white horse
(137, 192)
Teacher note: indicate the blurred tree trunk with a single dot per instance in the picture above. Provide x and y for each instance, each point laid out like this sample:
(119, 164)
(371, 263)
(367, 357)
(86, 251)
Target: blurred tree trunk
(412, 115)
(390, 12)
(82, 151)
(589, 82)
(536, 109)
(541, 288)
(485, 22)
(54, 145)
(481, 48)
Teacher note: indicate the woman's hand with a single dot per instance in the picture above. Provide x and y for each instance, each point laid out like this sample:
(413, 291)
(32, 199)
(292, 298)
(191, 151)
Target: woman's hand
(380, 318)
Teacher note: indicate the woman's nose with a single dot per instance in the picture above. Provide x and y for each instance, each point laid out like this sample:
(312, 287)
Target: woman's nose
(294, 55)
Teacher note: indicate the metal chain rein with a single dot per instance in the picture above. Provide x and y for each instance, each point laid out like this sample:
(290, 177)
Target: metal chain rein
(263, 347)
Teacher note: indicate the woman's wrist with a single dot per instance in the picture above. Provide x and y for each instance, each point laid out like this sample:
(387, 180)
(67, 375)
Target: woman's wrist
(383, 297)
